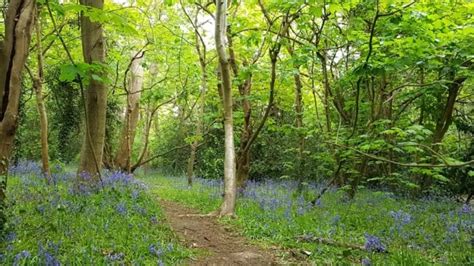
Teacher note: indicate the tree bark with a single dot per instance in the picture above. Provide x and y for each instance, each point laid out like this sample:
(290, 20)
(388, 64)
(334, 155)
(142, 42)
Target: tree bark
(230, 188)
(299, 118)
(201, 50)
(446, 117)
(243, 154)
(124, 153)
(43, 117)
(93, 48)
(13, 54)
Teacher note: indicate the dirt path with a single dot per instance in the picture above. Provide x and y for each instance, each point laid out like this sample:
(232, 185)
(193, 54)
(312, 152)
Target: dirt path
(224, 246)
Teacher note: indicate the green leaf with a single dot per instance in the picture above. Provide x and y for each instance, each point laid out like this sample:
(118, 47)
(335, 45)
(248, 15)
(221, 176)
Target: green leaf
(68, 72)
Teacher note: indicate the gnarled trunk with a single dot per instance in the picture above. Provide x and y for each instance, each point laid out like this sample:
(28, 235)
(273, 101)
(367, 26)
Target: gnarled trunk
(93, 49)
(13, 53)
(124, 153)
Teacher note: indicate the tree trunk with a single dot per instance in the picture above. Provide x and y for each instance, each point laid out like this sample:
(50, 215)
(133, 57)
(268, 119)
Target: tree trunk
(446, 117)
(43, 117)
(93, 48)
(445, 120)
(201, 50)
(13, 53)
(337, 99)
(146, 137)
(124, 153)
(299, 119)
(243, 155)
(228, 205)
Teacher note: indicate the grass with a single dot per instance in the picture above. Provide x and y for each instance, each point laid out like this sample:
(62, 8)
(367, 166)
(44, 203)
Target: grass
(116, 223)
(396, 230)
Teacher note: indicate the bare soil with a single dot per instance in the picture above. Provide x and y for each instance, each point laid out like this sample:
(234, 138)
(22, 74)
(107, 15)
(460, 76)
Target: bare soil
(221, 245)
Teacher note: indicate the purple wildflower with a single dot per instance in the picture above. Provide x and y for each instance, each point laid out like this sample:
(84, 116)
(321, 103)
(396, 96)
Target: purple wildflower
(374, 244)
(156, 250)
(366, 262)
(116, 256)
(22, 255)
(121, 208)
(401, 217)
(10, 236)
(318, 203)
(453, 229)
(50, 260)
(466, 209)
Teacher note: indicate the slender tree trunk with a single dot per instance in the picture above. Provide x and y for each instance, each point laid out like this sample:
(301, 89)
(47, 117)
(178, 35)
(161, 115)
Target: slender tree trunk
(299, 118)
(146, 137)
(243, 155)
(242, 162)
(446, 117)
(13, 53)
(445, 120)
(230, 188)
(93, 48)
(201, 50)
(43, 117)
(124, 153)
(324, 69)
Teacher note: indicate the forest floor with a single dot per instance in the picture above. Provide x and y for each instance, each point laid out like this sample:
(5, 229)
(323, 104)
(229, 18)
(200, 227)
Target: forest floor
(273, 221)
(222, 245)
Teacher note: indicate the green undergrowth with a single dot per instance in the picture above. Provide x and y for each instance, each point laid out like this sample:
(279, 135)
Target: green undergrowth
(396, 230)
(115, 223)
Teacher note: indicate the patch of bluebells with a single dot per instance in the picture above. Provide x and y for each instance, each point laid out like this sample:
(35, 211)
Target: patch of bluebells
(120, 195)
(374, 244)
(159, 250)
(21, 256)
(49, 258)
(114, 257)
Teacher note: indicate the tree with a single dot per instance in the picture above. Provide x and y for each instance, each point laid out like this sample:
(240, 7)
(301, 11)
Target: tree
(13, 54)
(93, 48)
(230, 184)
(124, 153)
(38, 80)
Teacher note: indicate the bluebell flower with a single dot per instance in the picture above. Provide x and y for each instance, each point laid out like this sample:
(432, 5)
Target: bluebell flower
(366, 262)
(453, 229)
(156, 250)
(50, 260)
(466, 209)
(374, 244)
(335, 220)
(121, 208)
(135, 194)
(40, 209)
(22, 255)
(10, 236)
(116, 256)
(401, 217)
(154, 219)
(318, 203)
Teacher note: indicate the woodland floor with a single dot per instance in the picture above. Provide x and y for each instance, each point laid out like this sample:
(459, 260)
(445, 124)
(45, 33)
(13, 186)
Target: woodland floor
(222, 246)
